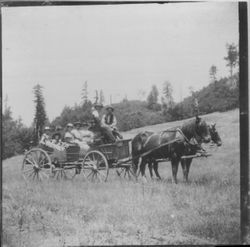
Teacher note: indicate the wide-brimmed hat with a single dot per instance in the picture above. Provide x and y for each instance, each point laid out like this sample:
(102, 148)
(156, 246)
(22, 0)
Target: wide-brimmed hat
(58, 127)
(85, 123)
(47, 128)
(70, 125)
(77, 123)
(56, 134)
(110, 107)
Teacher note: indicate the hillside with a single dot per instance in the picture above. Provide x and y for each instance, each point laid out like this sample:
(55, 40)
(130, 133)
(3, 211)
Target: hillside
(61, 213)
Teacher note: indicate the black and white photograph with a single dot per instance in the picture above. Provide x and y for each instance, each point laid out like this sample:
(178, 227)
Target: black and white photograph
(121, 124)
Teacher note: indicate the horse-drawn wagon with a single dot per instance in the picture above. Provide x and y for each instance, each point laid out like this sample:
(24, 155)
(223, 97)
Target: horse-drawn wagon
(43, 162)
(123, 155)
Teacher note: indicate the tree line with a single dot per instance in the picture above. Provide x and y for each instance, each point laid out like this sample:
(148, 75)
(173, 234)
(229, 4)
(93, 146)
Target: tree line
(220, 95)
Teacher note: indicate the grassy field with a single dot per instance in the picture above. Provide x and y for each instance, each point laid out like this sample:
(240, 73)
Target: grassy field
(62, 213)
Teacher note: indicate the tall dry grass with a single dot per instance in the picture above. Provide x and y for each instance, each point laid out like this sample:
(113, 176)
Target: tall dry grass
(61, 213)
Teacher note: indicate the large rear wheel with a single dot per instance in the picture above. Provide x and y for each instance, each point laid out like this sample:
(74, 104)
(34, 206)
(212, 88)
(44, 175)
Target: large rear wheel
(95, 166)
(37, 165)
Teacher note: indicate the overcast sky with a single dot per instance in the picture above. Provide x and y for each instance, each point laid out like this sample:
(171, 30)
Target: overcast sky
(120, 49)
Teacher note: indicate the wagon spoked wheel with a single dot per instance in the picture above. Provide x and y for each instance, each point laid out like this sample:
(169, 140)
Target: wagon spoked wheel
(37, 165)
(95, 166)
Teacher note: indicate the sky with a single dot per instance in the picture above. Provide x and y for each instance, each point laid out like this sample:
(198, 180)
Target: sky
(121, 49)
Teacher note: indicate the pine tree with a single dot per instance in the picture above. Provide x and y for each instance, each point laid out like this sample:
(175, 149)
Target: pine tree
(96, 97)
(85, 93)
(153, 98)
(40, 114)
(213, 72)
(232, 57)
(101, 97)
(168, 94)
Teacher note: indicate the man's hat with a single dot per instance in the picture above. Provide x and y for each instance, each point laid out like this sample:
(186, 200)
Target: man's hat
(77, 123)
(70, 125)
(47, 128)
(109, 107)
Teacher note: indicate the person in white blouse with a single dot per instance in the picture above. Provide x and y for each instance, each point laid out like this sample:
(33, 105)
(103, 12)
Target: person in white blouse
(69, 137)
(79, 138)
(45, 138)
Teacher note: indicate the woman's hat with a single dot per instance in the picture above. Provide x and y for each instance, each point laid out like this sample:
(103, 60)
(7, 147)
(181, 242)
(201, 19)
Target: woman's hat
(58, 127)
(85, 123)
(77, 123)
(109, 107)
(57, 134)
(70, 125)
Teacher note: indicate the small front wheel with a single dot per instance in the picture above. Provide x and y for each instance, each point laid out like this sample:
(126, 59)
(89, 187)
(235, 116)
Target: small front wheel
(95, 166)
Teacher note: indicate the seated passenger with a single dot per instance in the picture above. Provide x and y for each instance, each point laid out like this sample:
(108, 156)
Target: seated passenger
(109, 122)
(76, 131)
(58, 144)
(69, 137)
(84, 147)
(86, 135)
(45, 138)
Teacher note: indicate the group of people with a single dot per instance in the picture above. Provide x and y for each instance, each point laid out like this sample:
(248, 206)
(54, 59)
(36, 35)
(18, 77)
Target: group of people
(79, 133)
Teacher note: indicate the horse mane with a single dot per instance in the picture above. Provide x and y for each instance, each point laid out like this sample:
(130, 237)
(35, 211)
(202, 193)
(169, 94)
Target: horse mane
(188, 128)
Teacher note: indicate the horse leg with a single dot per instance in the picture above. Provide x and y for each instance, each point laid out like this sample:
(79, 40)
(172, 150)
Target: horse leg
(150, 169)
(175, 164)
(139, 167)
(189, 161)
(143, 167)
(184, 169)
(155, 166)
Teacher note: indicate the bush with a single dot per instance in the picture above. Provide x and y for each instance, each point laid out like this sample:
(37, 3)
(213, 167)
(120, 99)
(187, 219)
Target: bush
(16, 137)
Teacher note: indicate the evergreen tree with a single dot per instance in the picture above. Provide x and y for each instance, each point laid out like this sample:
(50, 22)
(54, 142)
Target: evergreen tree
(40, 114)
(153, 98)
(168, 95)
(213, 72)
(232, 57)
(101, 97)
(85, 92)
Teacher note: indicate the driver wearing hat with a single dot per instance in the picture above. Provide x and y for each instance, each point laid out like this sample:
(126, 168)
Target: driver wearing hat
(109, 121)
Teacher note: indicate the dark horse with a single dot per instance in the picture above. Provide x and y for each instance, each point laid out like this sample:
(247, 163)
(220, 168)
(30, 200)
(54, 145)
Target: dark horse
(189, 150)
(180, 138)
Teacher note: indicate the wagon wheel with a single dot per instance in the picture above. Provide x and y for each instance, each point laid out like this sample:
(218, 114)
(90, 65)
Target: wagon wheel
(37, 165)
(95, 166)
(126, 172)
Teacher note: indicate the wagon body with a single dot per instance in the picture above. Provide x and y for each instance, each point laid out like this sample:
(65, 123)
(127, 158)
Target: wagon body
(115, 151)
(70, 154)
